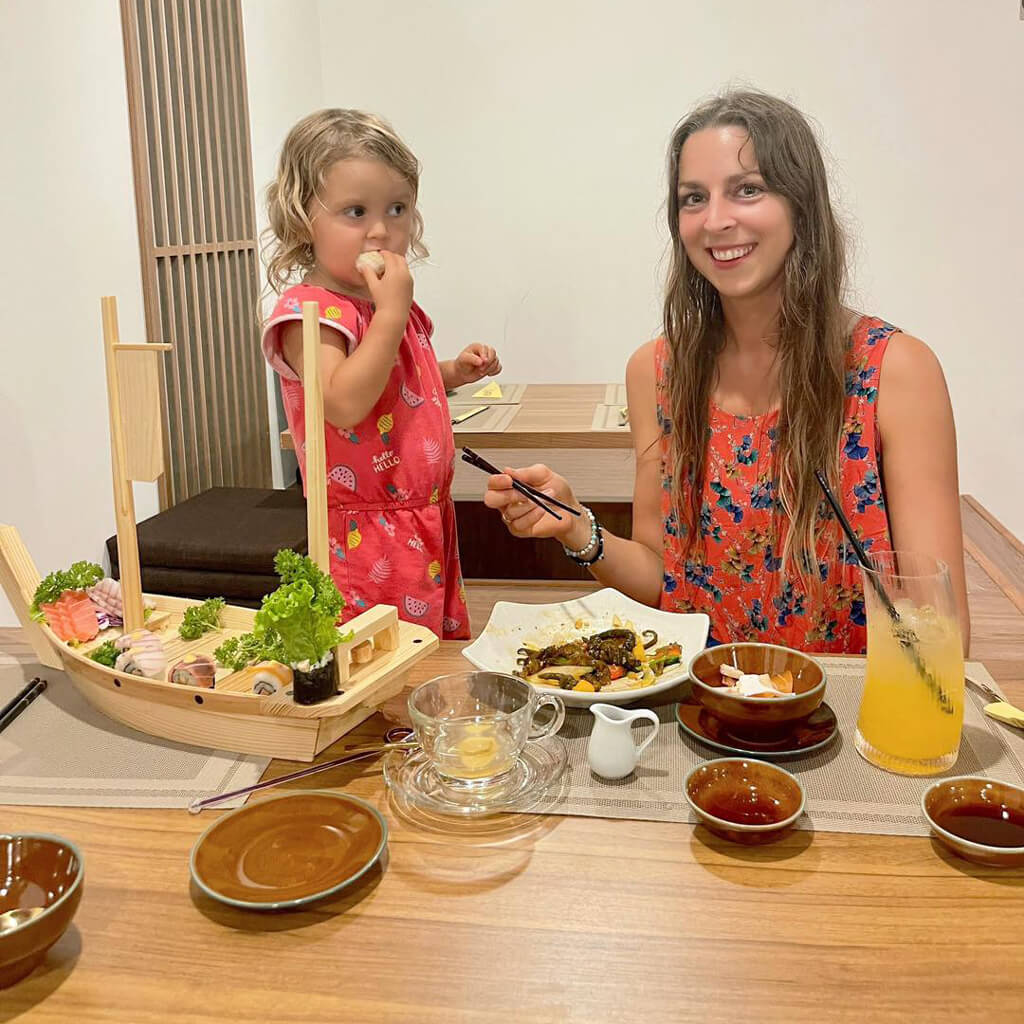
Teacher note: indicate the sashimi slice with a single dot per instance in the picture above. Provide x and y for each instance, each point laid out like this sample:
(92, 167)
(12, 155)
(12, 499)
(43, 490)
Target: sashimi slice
(72, 616)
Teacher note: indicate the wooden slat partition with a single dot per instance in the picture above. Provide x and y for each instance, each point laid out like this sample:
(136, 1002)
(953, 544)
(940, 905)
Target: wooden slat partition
(185, 65)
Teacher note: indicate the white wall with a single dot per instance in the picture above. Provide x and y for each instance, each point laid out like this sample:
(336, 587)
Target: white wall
(68, 200)
(284, 84)
(541, 126)
(70, 237)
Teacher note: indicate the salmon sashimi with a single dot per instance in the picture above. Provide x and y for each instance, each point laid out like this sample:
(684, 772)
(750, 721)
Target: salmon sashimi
(72, 616)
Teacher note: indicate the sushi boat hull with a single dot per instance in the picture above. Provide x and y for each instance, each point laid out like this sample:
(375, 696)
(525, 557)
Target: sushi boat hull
(230, 716)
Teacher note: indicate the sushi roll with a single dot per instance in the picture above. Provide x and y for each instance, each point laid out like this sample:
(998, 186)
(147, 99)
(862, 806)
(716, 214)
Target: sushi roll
(142, 654)
(270, 677)
(194, 670)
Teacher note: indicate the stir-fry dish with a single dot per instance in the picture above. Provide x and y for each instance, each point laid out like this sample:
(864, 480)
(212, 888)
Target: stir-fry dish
(617, 659)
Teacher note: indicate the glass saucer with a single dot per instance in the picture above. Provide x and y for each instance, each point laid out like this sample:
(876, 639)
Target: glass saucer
(415, 781)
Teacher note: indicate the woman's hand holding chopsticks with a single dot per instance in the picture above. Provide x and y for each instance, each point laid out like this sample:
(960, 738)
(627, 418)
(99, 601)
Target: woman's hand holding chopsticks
(523, 518)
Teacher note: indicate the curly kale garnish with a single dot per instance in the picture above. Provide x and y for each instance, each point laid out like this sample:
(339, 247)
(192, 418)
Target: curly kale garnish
(201, 618)
(80, 576)
(105, 654)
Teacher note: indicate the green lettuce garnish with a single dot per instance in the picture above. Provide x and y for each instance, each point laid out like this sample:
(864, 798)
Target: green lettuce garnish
(201, 618)
(296, 623)
(292, 613)
(80, 576)
(296, 568)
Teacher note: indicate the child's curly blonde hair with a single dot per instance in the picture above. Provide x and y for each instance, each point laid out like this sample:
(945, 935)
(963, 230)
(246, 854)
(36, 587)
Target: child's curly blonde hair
(312, 147)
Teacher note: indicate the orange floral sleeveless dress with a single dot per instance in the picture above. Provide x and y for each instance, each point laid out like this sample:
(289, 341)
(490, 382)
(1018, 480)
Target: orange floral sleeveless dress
(735, 573)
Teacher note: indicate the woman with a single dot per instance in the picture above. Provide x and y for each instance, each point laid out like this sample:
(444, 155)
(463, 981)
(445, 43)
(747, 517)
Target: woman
(761, 378)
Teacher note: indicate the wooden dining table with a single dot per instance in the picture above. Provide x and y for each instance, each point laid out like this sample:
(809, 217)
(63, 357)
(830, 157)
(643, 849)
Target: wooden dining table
(542, 918)
(547, 416)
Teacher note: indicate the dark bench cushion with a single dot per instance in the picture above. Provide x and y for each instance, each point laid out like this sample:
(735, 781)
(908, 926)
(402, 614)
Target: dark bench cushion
(231, 530)
(247, 589)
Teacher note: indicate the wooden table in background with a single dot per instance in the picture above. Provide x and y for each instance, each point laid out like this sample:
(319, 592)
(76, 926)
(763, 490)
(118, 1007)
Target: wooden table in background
(555, 918)
(550, 416)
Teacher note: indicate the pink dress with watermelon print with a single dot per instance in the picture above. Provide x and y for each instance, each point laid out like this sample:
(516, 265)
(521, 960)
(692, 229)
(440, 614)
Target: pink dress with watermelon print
(390, 516)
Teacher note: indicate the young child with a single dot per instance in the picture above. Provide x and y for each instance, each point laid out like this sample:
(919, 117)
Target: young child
(347, 185)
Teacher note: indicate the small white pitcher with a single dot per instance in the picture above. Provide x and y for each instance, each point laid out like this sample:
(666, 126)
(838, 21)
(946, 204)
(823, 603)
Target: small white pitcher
(612, 752)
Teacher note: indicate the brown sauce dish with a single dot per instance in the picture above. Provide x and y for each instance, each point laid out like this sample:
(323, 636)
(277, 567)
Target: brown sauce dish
(744, 800)
(981, 820)
(38, 873)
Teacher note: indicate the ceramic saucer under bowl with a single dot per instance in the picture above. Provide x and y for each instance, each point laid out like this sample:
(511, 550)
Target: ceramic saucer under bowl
(415, 781)
(809, 735)
(289, 850)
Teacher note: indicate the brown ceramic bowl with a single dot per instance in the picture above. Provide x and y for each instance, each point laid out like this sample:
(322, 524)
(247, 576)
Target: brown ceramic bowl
(981, 820)
(36, 871)
(744, 800)
(757, 716)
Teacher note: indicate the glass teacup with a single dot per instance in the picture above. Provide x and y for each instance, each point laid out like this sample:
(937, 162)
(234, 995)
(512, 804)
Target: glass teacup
(473, 725)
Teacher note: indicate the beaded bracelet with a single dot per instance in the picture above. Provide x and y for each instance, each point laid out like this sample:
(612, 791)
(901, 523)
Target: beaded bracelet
(596, 557)
(592, 543)
(583, 556)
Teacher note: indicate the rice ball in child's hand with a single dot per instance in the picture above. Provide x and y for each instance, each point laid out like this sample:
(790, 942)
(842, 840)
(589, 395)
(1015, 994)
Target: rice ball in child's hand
(371, 261)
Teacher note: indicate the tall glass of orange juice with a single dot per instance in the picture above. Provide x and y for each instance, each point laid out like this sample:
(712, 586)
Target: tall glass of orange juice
(912, 709)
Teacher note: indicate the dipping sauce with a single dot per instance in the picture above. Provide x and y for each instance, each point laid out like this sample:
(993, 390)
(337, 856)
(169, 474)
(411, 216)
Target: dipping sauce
(743, 807)
(732, 795)
(990, 826)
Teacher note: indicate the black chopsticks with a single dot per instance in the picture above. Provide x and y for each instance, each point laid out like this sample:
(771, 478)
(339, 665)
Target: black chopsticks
(537, 497)
(906, 637)
(14, 707)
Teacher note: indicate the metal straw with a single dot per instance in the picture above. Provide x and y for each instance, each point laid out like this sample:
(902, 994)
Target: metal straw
(355, 755)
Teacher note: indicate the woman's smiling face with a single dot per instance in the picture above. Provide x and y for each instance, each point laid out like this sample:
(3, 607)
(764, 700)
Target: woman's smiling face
(735, 231)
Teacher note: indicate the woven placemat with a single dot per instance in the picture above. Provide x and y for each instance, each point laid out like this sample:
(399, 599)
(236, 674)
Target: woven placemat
(494, 420)
(606, 417)
(844, 792)
(511, 394)
(62, 752)
(615, 394)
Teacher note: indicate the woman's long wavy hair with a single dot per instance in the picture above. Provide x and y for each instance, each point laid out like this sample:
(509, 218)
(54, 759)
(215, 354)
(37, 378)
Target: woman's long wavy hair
(312, 147)
(812, 337)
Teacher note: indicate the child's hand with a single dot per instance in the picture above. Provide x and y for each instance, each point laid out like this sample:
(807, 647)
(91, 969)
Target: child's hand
(476, 361)
(392, 291)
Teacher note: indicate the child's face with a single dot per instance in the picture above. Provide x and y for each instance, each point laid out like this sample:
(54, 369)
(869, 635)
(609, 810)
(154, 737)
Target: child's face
(734, 231)
(366, 206)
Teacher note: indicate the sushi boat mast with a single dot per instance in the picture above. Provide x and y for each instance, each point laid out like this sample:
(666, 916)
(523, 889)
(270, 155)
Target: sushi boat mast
(372, 665)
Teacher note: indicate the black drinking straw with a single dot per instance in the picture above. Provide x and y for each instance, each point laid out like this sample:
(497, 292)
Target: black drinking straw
(907, 638)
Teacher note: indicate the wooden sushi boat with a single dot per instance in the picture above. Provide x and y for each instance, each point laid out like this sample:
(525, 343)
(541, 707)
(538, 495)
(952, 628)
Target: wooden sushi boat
(371, 665)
